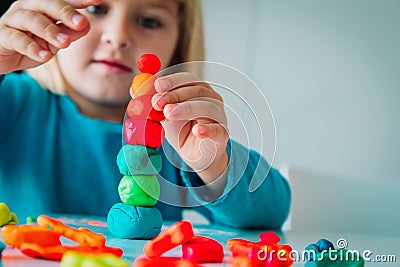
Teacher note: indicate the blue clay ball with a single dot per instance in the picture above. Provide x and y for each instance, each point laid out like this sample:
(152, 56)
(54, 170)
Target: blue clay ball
(2, 247)
(313, 250)
(133, 222)
(324, 244)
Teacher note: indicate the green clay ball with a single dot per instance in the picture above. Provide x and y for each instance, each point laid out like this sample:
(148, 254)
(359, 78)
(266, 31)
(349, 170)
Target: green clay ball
(30, 220)
(336, 258)
(139, 190)
(138, 160)
(73, 259)
(6, 216)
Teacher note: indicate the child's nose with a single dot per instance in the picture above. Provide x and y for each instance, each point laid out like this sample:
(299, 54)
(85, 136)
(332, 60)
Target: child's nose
(117, 35)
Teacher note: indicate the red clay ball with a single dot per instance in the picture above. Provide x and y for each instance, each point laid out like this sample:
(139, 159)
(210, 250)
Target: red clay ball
(149, 63)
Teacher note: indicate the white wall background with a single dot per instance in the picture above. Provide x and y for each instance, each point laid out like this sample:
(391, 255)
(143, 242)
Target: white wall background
(330, 71)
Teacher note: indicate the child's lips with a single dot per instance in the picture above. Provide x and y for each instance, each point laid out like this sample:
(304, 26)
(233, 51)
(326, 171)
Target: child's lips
(113, 65)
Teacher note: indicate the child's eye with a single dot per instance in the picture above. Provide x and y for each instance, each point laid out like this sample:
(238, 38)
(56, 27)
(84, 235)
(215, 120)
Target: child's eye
(149, 23)
(97, 10)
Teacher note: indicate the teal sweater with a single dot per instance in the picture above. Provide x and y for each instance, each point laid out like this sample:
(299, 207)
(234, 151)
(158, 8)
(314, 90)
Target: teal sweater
(53, 159)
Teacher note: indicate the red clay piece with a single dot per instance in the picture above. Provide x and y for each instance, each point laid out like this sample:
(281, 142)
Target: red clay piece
(143, 132)
(202, 249)
(269, 238)
(141, 108)
(55, 253)
(175, 235)
(149, 63)
(162, 261)
(279, 255)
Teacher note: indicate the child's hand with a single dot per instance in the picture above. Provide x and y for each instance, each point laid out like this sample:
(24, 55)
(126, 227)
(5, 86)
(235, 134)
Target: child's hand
(32, 31)
(196, 123)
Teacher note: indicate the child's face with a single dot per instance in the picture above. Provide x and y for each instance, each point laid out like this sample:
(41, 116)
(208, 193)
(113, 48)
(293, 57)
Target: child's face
(101, 65)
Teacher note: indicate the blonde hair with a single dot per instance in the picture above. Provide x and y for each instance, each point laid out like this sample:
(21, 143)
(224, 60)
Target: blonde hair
(191, 40)
(190, 47)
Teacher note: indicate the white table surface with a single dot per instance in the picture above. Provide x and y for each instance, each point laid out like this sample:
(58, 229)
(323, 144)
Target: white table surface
(378, 245)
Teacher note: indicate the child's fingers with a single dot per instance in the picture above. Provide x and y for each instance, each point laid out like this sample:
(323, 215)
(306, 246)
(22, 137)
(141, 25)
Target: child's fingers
(183, 94)
(205, 109)
(74, 35)
(215, 131)
(83, 3)
(166, 83)
(53, 21)
(169, 82)
(40, 26)
(58, 10)
(15, 40)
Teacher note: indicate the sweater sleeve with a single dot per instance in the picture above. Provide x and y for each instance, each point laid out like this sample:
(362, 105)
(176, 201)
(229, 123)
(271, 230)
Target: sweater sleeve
(13, 91)
(256, 195)
(19, 94)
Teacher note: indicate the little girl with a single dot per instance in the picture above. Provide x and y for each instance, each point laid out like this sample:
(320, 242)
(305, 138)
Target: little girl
(61, 118)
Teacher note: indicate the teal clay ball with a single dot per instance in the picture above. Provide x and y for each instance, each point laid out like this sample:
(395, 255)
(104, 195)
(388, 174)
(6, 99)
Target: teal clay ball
(133, 222)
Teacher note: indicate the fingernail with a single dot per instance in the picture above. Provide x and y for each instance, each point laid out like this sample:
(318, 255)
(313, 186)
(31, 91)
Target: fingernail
(201, 129)
(42, 53)
(162, 85)
(76, 19)
(93, 2)
(61, 37)
(162, 102)
(170, 108)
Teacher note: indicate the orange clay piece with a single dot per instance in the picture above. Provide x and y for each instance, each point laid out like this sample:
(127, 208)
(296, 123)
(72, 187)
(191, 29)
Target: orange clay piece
(162, 261)
(255, 252)
(241, 261)
(16, 235)
(175, 235)
(56, 253)
(143, 84)
(83, 236)
(248, 250)
(242, 248)
(236, 241)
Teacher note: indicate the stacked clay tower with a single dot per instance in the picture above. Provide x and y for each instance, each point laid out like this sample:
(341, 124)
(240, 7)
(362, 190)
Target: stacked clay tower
(139, 161)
